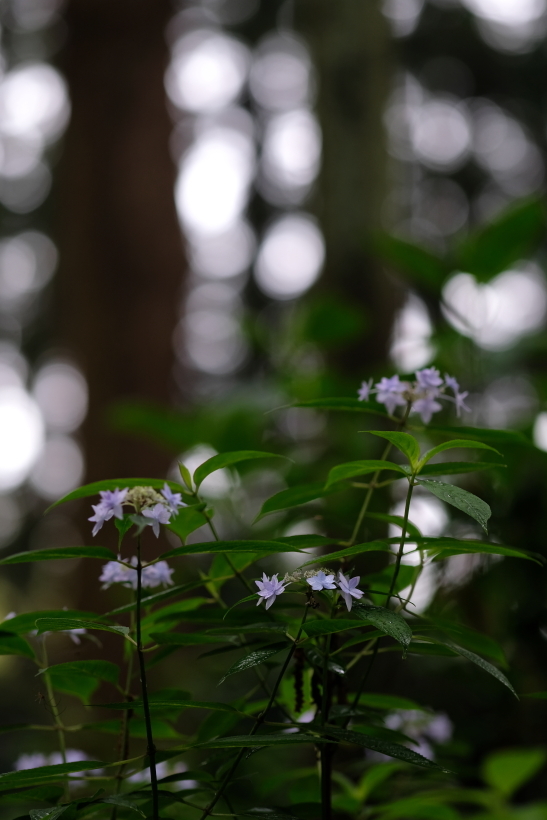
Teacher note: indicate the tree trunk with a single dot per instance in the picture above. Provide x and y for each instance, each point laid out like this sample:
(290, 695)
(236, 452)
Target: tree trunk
(350, 45)
(121, 250)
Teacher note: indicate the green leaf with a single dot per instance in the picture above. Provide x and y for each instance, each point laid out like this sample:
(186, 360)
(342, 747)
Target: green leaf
(398, 520)
(12, 644)
(157, 597)
(227, 459)
(80, 686)
(470, 638)
(357, 549)
(344, 404)
(25, 623)
(354, 468)
(326, 626)
(123, 801)
(476, 659)
(183, 638)
(391, 623)
(383, 746)
(481, 434)
(508, 770)
(455, 444)
(65, 624)
(47, 814)
(304, 542)
(458, 467)
(293, 497)
(404, 442)
(417, 264)
(28, 777)
(507, 239)
(118, 483)
(29, 556)
(455, 546)
(251, 741)
(265, 547)
(102, 670)
(254, 659)
(187, 520)
(461, 499)
(156, 703)
(390, 702)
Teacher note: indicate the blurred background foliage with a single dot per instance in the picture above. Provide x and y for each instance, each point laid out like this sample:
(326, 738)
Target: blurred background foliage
(214, 208)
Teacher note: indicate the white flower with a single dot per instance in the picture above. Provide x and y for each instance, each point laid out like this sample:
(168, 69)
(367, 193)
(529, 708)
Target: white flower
(157, 515)
(348, 589)
(269, 589)
(321, 581)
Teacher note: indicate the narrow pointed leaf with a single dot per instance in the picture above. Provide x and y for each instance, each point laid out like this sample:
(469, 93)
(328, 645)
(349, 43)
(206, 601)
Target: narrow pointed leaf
(102, 670)
(183, 638)
(66, 624)
(480, 434)
(404, 442)
(391, 623)
(398, 520)
(418, 265)
(254, 659)
(188, 520)
(461, 499)
(101, 553)
(476, 659)
(226, 460)
(118, 484)
(26, 622)
(327, 626)
(357, 549)
(344, 404)
(383, 746)
(293, 497)
(157, 703)
(27, 777)
(355, 468)
(265, 547)
(454, 546)
(251, 741)
(459, 467)
(455, 444)
(304, 542)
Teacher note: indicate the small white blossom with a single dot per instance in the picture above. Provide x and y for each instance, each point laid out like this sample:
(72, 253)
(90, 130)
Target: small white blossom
(269, 589)
(174, 500)
(321, 581)
(157, 515)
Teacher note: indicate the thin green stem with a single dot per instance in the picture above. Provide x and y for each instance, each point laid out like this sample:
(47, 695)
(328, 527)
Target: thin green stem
(126, 717)
(59, 725)
(403, 538)
(326, 751)
(150, 747)
(259, 720)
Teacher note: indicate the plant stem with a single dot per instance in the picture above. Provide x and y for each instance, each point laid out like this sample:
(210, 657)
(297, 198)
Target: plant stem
(126, 717)
(326, 751)
(59, 725)
(150, 748)
(259, 720)
(403, 538)
(374, 482)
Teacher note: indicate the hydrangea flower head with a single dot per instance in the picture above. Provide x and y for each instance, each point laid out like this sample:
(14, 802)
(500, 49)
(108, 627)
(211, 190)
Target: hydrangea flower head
(321, 581)
(153, 575)
(388, 392)
(422, 395)
(269, 589)
(109, 506)
(348, 589)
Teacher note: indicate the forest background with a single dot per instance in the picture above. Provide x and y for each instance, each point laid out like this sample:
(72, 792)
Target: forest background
(210, 210)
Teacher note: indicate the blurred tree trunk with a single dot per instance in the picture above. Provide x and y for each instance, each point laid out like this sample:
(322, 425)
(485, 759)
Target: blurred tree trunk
(121, 252)
(351, 47)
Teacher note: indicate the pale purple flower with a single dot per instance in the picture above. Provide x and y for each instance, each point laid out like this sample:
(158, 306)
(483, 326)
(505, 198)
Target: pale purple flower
(174, 500)
(321, 581)
(459, 398)
(348, 589)
(388, 392)
(269, 589)
(426, 407)
(109, 506)
(428, 377)
(153, 575)
(363, 393)
(158, 514)
(452, 383)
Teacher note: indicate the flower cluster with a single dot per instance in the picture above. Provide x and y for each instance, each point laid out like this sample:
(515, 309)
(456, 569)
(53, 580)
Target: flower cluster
(319, 579)
(153, 575)
(422, 394)
(156, 507)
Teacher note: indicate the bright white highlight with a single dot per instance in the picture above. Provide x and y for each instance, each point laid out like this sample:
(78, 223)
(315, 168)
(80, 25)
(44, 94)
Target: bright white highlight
(403, 15)
(33, 102)
(510, 25)
(21, 436)
(212, 187)
(281, 74)
(292, 149)
(411, 347)
(61, 393)
(27, 263)
(540, 431)
(215, 485)
(59, 469)
(223, 255)
(207, 71)
(441, 134)
(290, 258)
(498, 314)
